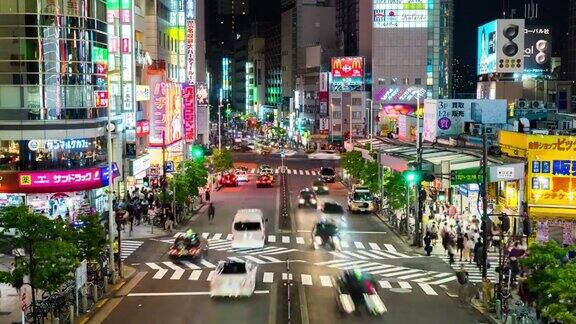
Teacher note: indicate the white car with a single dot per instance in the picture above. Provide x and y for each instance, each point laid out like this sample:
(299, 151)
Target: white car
(361, 200)
(241, 175)
(233, 279)
(324, 155)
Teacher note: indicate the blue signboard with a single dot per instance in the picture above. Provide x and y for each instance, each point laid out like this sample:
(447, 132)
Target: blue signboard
(486, 48)
(190, 9)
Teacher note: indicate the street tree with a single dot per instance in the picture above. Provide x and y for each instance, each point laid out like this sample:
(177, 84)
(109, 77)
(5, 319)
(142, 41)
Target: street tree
(49, 257)
(222, 160)
(353, 163)
(394, 190)
(369, 176)
(90, 238)
(195, 175)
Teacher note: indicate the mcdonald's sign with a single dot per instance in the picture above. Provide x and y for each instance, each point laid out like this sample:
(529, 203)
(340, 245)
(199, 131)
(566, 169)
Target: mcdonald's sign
(347, 67)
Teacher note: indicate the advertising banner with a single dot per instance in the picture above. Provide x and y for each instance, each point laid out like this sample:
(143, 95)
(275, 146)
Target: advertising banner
(142, 93)
(445, 118)
(538, 48)
(347, 67)
(487, 48)
(510, 46)
(65, 180)
(191, 50)
(323, 82)
(466, 176)
(166, 112)
(189, 111)
(400, 14)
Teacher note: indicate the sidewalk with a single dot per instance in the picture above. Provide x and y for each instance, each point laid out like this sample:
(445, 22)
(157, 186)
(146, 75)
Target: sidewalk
(9, 299)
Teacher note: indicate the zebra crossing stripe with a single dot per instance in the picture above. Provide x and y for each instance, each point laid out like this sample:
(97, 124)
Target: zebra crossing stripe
(207, 264)
(350, 265)
(403, 272)
(285, 276)
(306, 279)
(256, 260)
(427, 289)
(307, 172)
(346, 262)
(178, 234)
(285, 239)
(235, 259)
(229, 237)
(271, 259)
(171, 265)
(404, 284)
(177, 274)
(368, 253)
(374, 246)
(205, 235)
(195, 275)
(280, 252)
(390, 247)
(190, 265)
(325, 281)
(359, 256)
(217, 236)
(160, 271)
(385, 284)
(359, 245)
(339, 255)
(385, 271)
(289, 171)
(414, 275)
(325, 263)
(300, 240)
(384, 254)
(445, 280)
(380, 266)
(210, 275)
(268, 277)
(271, 238)
(344, 244)
(301, 172)
(269, 250)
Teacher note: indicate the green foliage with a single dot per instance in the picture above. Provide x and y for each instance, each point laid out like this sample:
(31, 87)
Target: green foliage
(222, 160)
(353, 163)
(91, 239)
(50, 256)
(552, 281)
(195, 175)
(369, 176)
(394, 189)
(182, 190)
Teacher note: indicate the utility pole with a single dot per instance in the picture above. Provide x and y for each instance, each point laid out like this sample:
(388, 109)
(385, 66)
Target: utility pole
(418, 203)
(111, 263)
(484, 192)
(219, 125)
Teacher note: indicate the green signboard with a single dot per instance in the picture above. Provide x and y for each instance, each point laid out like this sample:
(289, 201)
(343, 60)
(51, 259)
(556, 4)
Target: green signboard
(99, 54)
(466, 176)
(118, 4)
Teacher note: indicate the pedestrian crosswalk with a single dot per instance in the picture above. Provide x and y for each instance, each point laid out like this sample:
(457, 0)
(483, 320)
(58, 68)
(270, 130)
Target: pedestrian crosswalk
(391, 271)
(292, 172)
(474, 272)
(350, 250)
(128, 247)
(173, 271)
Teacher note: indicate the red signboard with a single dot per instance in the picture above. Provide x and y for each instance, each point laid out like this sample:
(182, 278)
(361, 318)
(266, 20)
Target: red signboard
(101, 99)
(347, 67)
(189, 111)
(142, 128)
(9, 182)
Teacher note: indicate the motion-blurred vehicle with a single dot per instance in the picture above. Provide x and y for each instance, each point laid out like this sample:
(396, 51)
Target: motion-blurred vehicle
(265, 169)
(248, 229)
(241, 175)
(320, 188)
(188, 245)
(324, 155)
(264, 180)
(307, 198)
(241, 148)
(229, 180)
(360, 199)
(355, 289)
(327, 174)
(333, 211)
(325, 234)
(233, 279)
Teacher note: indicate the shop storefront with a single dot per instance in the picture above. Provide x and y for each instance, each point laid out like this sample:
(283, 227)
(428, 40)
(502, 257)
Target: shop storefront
(551, 182)
(65, 194)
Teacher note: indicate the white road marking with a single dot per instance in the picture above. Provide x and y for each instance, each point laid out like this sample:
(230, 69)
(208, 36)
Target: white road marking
(178, 234)
(307, 172)
(205, 235)
(210, 275)
(359, 245)
(285, 239)
(313, 173)
(235, 259)
(325, 263)
(190, 265)
(301, 172)
(256, 260)
(427, 289)
(186, 293)
(271, 259)
(207, 264)
(339, 255)
(271, 238)
(160, 271)
(441, 281)
(384, 254)
(289, 171)
(177, 274)
(229, 237)
(217, 236)
(306, 279)
(404, 284)
(385, 284)
(285, 276)
(171, 265)
(368, 253)
(344, 244)
(268, 277)
(195, 275)
(403, 272)
(347, 262)
(385, 271)
(153, 266)
(414, 275)
(300, 240)
(374, 268)
(390, 247)
(325, 281)
(359, 256)
(374, 246)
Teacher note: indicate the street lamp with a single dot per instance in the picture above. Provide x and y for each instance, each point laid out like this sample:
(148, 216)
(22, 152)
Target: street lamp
(371, 126)
(350, 124)
(109, 150)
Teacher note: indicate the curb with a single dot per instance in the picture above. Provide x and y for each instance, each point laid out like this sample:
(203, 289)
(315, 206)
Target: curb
(129, 273)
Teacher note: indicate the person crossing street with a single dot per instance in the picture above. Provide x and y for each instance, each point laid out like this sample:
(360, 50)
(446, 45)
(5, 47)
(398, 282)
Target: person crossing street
(211, 212)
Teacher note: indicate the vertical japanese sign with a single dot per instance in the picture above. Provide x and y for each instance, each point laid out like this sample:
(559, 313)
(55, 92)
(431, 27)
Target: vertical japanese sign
(189, 111)
(190, 14)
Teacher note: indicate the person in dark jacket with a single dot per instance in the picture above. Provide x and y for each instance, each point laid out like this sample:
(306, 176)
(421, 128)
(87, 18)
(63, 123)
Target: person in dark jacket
(478, 252)
(460, 244)
(428, 243)
(211, 212)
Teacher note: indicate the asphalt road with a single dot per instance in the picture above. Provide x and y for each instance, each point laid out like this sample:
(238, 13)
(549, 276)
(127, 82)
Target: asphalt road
(293, 278)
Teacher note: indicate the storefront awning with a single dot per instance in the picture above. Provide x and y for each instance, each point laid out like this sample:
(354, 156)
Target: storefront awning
(552, 213)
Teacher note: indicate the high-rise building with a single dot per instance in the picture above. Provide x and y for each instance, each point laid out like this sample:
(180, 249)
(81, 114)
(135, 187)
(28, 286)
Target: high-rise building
(411, 51)
(569, 60)
(53, 107)
(255, 75)
(354, 28)
(273, 65)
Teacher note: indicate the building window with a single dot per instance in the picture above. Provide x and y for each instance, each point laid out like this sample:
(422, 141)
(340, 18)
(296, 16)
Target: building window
(381, 81)
(406, 81)
(336, 101)
(356, 101)
(337, 114)
(356, 115)
(393, 81)
(337, 128)
(418, 81)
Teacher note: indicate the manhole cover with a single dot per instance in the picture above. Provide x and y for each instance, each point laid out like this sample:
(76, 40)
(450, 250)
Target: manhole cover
(401, 290)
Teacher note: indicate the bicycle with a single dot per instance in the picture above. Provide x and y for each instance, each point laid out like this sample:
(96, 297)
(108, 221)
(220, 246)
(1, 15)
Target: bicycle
(521, 314)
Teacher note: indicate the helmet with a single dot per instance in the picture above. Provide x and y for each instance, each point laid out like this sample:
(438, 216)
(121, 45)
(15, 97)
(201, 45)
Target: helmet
(358, 274)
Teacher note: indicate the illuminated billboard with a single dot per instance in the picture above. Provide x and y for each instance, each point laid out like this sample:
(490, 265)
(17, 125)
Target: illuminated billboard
(400, 14)
(166, 112)
(537, 49)
(189, 111)
(501, 47)
(347, 73)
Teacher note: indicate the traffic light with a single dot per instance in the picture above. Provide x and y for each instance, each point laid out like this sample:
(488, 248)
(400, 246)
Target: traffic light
(197, 152)
(416, 176)
(146, 181)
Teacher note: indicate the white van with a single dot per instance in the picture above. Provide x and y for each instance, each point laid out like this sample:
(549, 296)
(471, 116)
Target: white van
(248, 229)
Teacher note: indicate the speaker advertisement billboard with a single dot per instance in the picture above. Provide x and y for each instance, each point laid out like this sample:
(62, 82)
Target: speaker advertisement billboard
(500, 47)
(537, 49)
